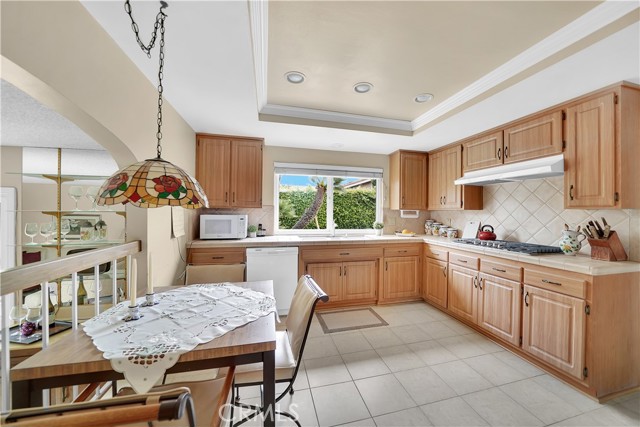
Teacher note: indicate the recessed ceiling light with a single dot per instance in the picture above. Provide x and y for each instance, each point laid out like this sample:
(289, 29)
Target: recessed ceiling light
(423, 97)
(294, 77)
(362, 87)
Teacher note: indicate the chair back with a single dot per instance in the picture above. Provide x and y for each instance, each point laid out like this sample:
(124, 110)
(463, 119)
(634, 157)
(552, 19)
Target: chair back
(214, 273)
(303, 304)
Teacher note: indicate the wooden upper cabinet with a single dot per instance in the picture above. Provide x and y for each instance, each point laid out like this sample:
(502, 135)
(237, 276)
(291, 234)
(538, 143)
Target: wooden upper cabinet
(408, 182)
(445, 166)
(230, 170)
(537, 137)
(482, 152)
(602, 150)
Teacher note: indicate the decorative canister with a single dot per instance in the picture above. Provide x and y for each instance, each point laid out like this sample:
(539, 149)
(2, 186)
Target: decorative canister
(571, 242)
(443, 231)
(435, 228)
(427, 226)
(452, 233)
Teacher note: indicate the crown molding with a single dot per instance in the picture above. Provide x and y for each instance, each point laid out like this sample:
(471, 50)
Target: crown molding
(597, 18)
(590, 22)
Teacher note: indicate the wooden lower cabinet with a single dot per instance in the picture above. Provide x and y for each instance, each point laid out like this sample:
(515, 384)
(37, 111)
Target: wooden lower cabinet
(401, 280)
(434, 282)
(553, 329)
(499, 307)
(462, 292)
(346, 281)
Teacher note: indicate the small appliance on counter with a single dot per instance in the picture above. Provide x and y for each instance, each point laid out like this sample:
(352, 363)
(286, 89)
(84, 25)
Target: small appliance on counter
(223, 226)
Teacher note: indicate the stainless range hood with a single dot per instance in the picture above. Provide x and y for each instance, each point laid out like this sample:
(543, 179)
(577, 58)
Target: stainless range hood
(529, 169)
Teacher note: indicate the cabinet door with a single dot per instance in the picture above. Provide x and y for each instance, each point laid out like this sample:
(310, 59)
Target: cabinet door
(436, 181)
(328, 275)
(462, 292)
(553, 329)
(534, 138)
(452, 170)
(589, 179)
(213, 165)
(413, 181)
(482, 152)
(499, 307)
(246, 174)
(360, 280)
(401, 278)
(434, 283)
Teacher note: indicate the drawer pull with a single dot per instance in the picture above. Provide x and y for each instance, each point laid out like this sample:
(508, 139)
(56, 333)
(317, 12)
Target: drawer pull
(344, 253)
(217, 257)
(444, 271)
(499, 269)
(526, 299)
(345, 271)
(475, 282)
(480, 283)
(402, 252)
(551, 283)
(462, 260)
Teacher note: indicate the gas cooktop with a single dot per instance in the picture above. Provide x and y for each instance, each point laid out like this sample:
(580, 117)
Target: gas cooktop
(523, 248)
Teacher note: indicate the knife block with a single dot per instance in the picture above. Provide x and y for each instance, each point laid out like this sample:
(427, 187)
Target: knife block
(609, 249)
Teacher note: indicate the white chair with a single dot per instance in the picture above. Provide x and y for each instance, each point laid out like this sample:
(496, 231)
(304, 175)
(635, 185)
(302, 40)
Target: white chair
(289, 347)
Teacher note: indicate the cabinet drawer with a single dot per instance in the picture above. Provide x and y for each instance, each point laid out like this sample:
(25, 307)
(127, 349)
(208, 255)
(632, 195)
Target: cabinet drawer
(501, 270)
(401, 250)
(341, 254)
(464, 260)
(436, 253)
(211, 256)
(556, 283)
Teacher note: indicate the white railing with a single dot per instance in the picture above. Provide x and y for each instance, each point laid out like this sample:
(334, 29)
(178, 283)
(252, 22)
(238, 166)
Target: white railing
(45, 274)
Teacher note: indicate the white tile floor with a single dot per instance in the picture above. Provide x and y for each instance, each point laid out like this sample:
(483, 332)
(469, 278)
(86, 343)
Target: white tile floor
(427, 369)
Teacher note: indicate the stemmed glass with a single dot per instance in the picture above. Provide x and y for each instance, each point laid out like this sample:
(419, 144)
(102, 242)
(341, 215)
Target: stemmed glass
(34, 315)
(46, 228)
(76, 192)
(31, 229)
(17, 314)
(92, 195)
(65, 228)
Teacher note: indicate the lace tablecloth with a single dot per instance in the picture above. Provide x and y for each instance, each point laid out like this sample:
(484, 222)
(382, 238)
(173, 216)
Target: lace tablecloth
(144, 349)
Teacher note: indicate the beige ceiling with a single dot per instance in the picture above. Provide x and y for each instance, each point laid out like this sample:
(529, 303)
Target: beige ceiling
(402, 48)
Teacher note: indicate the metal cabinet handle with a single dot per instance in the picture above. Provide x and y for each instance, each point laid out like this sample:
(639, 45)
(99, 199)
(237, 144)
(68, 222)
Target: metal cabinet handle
(444, 200)
(480, 283)
(226, 196)
(571, 192)
(475, 282)
(217, 257)
(526, 299)
(499, 154)
(499, 269)
(440, 199)
(444, 271)
(345, 271)
(344, 253)
(234, 197)
(402, 252)
(340, 272)
(463, 260)
(506, 152)
(386, 266)
(551, 283)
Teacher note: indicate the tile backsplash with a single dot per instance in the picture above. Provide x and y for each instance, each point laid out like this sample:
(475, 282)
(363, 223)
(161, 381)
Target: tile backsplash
(533, 211)
(528, 211)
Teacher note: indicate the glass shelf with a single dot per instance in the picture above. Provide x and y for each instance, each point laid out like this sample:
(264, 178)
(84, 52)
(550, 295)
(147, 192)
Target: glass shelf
(71, 212)
(63, 177)
(71, 243)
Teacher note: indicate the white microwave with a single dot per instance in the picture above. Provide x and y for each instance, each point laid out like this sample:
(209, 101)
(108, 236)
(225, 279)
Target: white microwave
(223, 226)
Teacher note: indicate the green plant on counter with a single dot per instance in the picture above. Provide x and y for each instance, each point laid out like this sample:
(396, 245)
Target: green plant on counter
(252, 228)
(378, 225)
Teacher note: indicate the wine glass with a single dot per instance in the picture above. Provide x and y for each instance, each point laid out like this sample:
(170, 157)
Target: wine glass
(46, 229)
(31, 229)
(76, 192)
(65, 228)
(17, 314)
(92, 195)
(34, 315)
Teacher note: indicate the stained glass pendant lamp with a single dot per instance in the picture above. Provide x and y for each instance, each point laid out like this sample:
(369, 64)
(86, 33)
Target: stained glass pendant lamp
(153, 183)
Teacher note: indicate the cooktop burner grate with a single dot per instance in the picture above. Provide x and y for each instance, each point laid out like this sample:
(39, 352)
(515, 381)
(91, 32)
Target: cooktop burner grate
(524, 248)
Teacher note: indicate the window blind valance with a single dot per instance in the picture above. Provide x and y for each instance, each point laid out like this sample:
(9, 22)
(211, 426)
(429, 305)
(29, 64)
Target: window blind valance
(325, 170)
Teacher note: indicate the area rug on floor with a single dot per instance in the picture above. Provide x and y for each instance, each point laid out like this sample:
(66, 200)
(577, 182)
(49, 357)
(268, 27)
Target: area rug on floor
(348, 320)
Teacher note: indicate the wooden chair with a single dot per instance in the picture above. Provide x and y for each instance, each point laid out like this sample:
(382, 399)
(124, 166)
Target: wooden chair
(172, 404)
(289, 347)
(214, 273)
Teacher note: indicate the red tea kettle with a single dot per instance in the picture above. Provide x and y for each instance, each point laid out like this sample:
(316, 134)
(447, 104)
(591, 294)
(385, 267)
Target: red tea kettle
(486, 235)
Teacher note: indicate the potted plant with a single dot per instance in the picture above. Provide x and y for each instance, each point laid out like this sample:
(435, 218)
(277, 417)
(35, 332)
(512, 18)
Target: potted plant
(252, 229)
(378, 226)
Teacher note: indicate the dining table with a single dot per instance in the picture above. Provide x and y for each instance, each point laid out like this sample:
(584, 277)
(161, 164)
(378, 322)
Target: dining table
(75, 360)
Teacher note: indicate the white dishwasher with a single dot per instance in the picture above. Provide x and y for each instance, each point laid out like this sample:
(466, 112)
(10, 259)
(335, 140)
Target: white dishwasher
(279, 264)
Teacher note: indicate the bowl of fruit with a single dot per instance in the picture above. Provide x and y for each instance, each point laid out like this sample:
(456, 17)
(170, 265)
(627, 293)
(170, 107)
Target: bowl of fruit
(405, 233)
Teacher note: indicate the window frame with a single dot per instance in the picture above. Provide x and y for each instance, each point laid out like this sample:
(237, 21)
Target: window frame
(330, 230)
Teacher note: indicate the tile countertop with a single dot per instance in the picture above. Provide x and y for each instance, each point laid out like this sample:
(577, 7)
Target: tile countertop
(578, 264)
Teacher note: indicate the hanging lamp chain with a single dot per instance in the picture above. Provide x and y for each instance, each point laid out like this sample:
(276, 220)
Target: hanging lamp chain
(158, 26)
